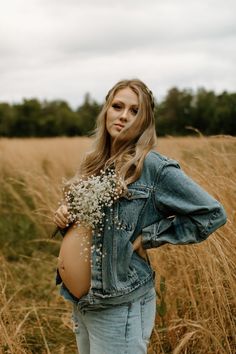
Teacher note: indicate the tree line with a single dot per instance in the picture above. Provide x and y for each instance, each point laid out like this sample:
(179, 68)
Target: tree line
(179, 113)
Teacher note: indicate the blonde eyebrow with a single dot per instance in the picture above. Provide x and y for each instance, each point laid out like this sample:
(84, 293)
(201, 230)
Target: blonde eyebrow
(119, 101)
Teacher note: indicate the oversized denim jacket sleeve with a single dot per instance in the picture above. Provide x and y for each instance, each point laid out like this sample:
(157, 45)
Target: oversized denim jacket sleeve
(191, 213)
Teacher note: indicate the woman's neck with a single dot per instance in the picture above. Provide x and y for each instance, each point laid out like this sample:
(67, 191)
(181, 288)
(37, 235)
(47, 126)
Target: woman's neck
(112, 150)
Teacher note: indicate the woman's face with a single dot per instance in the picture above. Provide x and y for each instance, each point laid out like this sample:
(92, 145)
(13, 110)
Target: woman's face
(122, 112)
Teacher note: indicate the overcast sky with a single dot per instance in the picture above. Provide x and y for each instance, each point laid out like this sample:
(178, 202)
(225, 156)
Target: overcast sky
(61, 49)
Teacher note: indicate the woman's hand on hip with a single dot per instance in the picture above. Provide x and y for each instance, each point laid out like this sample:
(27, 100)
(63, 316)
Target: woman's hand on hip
(137, 246)
(61, 217)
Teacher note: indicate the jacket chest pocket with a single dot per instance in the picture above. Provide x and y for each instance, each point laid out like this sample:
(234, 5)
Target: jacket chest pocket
(130, 207)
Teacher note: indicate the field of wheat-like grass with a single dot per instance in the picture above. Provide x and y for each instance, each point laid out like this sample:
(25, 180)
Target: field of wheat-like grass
(196, 302)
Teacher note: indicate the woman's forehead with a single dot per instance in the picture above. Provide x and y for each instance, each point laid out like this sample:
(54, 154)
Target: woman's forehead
(127, 95)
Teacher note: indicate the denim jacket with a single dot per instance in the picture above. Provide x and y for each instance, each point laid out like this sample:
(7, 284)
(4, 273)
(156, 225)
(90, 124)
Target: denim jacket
(164, 206)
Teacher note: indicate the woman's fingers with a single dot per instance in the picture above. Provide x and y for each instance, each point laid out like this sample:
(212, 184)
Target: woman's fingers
(60, 222)
(61, 216)
(64, 211)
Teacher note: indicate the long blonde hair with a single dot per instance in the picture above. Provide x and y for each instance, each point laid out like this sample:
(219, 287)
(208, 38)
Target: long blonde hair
(131, 145)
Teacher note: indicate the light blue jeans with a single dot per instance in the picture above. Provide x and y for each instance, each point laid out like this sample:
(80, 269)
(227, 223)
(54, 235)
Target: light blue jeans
(121, 329)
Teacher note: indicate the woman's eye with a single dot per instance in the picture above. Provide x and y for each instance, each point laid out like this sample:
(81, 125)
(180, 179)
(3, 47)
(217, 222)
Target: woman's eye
(134, 111)
(116, 106)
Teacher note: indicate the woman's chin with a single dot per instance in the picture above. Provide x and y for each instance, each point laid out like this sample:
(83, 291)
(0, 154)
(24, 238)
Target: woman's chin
(115, 134)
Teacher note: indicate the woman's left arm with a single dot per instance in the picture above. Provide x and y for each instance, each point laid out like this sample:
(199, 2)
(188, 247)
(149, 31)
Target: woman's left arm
(191, 213)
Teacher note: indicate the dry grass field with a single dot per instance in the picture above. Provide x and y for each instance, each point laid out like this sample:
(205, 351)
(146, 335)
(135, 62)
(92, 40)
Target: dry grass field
(196, 283)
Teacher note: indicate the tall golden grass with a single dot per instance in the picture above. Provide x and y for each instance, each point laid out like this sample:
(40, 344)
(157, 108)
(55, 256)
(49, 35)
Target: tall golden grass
(196, 283)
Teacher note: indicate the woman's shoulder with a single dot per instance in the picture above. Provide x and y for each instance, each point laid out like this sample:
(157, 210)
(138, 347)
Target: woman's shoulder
(155, 164)
(158, 159)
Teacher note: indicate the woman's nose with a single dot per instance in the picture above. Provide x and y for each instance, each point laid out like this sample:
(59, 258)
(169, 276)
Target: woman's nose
(123, 119)
(124, 115)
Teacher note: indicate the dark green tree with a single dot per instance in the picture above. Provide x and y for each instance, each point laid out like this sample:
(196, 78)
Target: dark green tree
(27, 115)
(175, 112)
(225, 121)
(87, 115)
(204, 114)
(180, 109)
(7, 119)
(57, 118)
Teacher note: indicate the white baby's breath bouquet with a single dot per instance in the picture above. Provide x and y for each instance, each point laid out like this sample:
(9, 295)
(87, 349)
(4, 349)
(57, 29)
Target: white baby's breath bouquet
(86, 198)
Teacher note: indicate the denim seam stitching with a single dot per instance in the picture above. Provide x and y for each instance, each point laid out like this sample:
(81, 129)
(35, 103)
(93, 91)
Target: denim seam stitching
(210, 222)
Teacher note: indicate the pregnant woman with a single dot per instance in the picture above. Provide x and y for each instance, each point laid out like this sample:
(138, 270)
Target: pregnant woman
(112, 287)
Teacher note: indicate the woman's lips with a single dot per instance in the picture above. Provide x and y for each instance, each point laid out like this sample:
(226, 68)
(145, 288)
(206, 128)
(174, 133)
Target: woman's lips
(119, 126)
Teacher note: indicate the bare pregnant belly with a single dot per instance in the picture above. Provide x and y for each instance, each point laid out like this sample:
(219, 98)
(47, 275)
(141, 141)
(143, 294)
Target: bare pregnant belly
(74, 260)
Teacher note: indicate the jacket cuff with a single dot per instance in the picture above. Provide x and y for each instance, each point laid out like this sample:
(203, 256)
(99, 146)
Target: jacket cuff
(151, 235)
